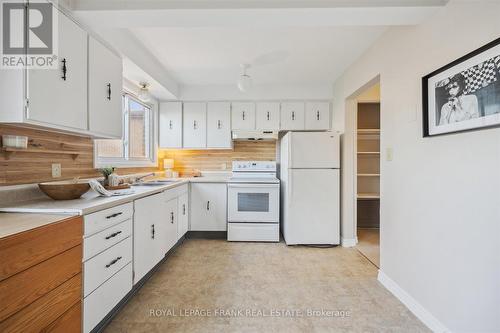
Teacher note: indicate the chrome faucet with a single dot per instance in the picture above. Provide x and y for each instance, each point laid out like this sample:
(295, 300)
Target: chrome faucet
(140, 178)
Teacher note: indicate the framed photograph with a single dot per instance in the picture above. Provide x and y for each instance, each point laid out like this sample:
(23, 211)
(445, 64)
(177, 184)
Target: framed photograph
(465, 94)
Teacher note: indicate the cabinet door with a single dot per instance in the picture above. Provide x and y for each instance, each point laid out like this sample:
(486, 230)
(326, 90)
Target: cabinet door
(317, 115)
(195, 125)
(53, 99)
(292, 116)
(243, 116)
(149, 233)
(268, 116)
(105, 91)
(183, 217)
(171, 225)
(208, 207)
(219, 125)
(170, 126)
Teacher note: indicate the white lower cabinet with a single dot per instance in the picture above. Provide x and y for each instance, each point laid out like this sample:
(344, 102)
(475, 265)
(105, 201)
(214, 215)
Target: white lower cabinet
(149, 233)
(183, 217)
(99, 303)
(208, 207)
(171, 225)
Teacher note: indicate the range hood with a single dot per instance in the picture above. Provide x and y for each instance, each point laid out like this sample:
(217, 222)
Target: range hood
(240, 135)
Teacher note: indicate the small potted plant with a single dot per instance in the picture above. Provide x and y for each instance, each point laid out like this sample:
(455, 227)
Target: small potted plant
(106, 172)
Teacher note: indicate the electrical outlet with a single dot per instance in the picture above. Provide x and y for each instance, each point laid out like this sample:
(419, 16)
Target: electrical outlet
(56, 170)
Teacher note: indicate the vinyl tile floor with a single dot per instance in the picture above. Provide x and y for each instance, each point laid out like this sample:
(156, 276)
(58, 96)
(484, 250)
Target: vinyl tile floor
(369, 244)
(217, 286)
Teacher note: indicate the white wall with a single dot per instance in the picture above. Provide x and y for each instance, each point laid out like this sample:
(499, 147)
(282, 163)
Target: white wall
(440, 206)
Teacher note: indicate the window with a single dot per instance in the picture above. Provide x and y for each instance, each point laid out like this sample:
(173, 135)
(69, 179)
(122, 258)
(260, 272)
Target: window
(137, 146)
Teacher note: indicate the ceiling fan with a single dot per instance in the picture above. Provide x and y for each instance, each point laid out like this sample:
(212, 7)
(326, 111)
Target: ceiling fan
(245, 81)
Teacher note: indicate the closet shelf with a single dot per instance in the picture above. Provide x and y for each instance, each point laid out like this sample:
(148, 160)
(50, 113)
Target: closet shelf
(368, 153)
(368, 174)
(368, 196)
(368, 130)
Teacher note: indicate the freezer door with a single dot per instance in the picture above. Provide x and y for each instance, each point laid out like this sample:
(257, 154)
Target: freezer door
(312, 206)
(313, 150)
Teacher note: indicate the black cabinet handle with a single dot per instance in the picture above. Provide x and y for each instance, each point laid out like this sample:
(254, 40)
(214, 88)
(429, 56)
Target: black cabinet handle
(152, 231)
(218, 124)
(208, 205)
(170, 124)
(172, 217)
(114, 261)
(64, 69)
(114, 215)
(267, 115)
(293, 115)
(109, 91)
(183, 209)
(114, 234)
(317, 115)
(243, 114)
(194, 124)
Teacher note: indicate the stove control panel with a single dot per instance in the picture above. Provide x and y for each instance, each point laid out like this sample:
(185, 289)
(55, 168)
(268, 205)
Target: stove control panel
(254, 166)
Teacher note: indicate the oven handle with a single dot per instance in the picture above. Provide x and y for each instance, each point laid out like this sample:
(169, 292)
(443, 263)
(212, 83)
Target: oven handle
(253, 185)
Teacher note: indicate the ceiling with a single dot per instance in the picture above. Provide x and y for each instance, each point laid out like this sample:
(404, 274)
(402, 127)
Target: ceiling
(203, 42)
(203, 56)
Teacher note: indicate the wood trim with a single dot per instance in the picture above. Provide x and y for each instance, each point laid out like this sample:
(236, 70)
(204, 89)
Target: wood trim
(22, 289)
(21, 251)
(40, 314)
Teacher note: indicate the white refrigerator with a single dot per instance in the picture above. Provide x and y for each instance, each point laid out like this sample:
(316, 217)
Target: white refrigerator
(310, 188)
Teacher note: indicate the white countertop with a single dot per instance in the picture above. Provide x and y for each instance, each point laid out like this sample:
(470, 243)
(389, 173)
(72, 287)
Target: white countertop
(14, 223)
(91, 202)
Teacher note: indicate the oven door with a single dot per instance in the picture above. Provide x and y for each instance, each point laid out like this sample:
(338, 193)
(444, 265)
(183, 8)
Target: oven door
(253, 202)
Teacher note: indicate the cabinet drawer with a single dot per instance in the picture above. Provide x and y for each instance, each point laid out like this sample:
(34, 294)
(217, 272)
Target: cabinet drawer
(21, 251)
(40, 314)
(103, 266)
(103, 219)
(98, 304)
(175, 192)
(99, 242)
(253, 232)
(24, 288)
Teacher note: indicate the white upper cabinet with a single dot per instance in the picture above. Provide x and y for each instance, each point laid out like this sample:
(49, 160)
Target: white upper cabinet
(292, 116)
(243, 116)
(268, 116)
(170, 126)
(219, 125)
(317, 115)
(59, 97)
(105, 90)
(195, 125)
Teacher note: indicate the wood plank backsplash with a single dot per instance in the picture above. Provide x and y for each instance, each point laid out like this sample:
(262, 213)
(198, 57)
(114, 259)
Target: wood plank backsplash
(220, 159)
(35, 167)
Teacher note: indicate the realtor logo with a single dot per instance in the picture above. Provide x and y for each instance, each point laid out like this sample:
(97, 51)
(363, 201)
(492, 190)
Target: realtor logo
(29, 38)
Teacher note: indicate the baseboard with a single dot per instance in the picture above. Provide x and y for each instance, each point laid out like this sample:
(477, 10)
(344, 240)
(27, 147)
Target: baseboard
(206, 235)
(348, 242)
(415, 307)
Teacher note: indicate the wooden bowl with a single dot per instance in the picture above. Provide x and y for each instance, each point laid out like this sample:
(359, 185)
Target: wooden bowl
(65, 190)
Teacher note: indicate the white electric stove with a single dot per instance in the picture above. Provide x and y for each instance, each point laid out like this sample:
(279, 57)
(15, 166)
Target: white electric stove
(253, 202)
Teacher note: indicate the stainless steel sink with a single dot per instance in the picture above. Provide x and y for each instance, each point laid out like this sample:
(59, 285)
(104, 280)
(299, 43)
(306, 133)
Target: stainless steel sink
(158, 182)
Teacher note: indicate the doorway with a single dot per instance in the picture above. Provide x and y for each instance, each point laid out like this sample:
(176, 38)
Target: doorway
(368, 173)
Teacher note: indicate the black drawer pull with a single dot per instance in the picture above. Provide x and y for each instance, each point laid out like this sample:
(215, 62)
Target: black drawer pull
(114, 234)
(114, 261)
(114, 215)
(293, 115)
(152, 231)
(208, 205)
(183, 209)
(171, 217)
(317, 115)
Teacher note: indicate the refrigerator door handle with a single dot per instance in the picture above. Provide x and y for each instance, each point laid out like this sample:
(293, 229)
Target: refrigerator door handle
(290, 188)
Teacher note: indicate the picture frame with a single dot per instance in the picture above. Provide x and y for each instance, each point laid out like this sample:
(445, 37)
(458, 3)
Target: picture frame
(463, 95)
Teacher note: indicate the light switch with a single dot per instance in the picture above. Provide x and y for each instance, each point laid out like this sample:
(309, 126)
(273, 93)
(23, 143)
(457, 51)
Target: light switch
(56, 170)
(388, 154)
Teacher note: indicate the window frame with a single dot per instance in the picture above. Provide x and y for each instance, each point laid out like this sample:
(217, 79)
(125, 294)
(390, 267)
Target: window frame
(126, 161)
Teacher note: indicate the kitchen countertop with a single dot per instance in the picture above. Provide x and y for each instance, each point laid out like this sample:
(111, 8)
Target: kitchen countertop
(91, 202)
(14, 223)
